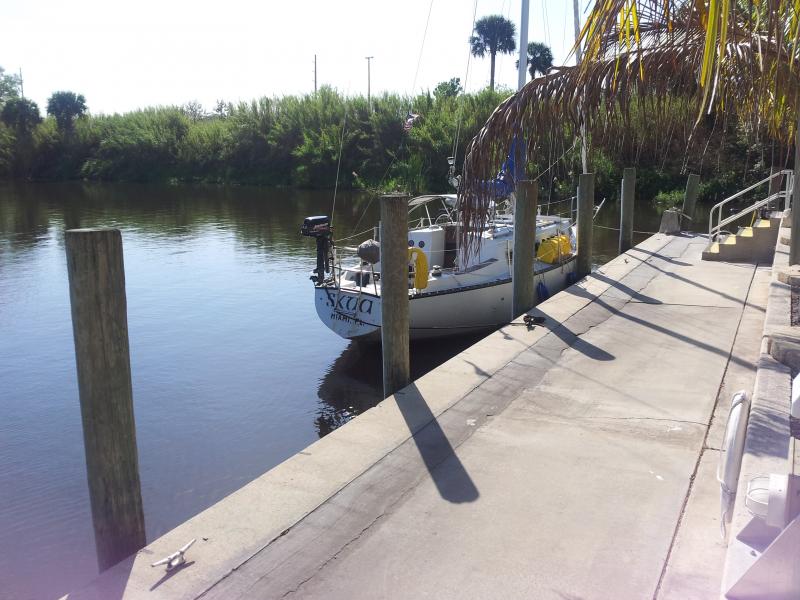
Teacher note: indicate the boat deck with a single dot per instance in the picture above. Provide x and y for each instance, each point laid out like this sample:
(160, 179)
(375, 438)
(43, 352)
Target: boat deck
(573, 460)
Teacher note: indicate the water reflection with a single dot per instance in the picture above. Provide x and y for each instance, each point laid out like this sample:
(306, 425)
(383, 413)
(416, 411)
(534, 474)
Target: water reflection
(232, 370)
(349, 387)
(353, 384)
(258, 216)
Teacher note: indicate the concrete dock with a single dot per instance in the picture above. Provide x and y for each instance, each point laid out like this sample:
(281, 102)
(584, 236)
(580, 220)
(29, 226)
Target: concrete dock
(573, 460)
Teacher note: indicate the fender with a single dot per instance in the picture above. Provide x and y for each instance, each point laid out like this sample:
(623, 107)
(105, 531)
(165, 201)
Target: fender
(420, 262)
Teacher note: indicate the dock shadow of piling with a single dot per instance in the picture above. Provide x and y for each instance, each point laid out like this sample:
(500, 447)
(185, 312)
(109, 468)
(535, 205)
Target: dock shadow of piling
(687, 281)
(576, 290)
(445, 468)
(575, 341)
(572, 340)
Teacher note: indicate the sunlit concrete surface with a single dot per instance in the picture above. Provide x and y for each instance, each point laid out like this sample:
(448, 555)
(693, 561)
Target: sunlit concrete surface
(556, 462)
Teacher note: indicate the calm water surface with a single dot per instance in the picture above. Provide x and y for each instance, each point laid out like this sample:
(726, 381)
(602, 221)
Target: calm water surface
(232, 370)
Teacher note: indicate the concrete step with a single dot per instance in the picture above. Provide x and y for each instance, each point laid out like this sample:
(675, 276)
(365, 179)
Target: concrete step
(711, 252)
(754, 243)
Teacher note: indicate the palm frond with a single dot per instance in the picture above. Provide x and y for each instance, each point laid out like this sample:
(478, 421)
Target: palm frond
(652, 56)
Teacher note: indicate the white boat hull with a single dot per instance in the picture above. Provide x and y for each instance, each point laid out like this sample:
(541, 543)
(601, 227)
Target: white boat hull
(356, 314)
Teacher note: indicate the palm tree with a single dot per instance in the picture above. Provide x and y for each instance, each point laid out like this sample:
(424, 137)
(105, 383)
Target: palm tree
(493, 34)
(540, 59)
(672, 64)
(66, 107)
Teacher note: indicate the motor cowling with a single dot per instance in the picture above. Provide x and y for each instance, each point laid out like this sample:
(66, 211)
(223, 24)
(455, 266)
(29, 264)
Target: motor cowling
(316, 226)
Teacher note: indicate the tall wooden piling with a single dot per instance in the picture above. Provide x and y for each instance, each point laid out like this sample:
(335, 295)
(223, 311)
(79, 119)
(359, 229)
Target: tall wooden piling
(524, 247)
(794, 239)
(100, 327)
(585, 223)
(690, 199)
(627, 196)
(394, 293)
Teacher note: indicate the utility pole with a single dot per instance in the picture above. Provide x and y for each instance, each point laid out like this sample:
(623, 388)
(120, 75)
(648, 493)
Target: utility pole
(369, 99)
(315, 74)
(21, 89)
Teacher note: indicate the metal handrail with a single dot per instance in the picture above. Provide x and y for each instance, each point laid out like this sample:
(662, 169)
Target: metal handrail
(749, 209)
(714, 231)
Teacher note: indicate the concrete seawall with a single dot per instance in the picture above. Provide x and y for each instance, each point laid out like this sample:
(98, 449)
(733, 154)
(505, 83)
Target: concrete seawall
(555, 462)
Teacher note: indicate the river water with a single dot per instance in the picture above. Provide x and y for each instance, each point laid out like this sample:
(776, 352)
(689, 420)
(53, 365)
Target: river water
(232, 370)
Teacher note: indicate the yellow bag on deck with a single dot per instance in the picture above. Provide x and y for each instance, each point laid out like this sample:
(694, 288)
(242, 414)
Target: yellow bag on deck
(554, 249)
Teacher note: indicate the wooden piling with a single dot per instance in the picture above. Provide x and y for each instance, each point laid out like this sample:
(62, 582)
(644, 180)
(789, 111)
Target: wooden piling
(585, 223)
(794, 239)
(100, 328)
(394, 293)
(524, 247)
(627, 196)
(690, 199)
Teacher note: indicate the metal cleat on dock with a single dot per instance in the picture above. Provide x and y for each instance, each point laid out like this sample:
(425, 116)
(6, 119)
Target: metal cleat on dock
(176, 559)
(532, 321)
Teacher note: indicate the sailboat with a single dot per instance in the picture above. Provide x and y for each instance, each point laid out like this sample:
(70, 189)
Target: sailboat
(450, 291)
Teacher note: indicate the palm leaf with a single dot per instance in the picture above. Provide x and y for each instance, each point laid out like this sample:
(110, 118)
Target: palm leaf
(719, 56)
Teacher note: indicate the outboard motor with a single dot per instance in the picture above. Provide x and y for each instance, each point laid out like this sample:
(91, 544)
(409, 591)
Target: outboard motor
(320, 228)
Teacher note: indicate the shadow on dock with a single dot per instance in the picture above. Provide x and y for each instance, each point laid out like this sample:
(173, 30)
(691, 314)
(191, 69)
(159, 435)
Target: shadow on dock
(448, 473)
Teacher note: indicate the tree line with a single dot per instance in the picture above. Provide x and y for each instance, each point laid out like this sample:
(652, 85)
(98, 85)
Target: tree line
(287, 141)
(295, 141)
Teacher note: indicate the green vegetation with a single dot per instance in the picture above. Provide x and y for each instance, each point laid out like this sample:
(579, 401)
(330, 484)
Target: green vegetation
(289, 141)
(540, 58)
(65, 107)
(294, 141)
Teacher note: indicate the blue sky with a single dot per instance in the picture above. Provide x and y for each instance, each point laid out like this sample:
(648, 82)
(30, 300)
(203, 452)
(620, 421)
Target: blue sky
(123, 55)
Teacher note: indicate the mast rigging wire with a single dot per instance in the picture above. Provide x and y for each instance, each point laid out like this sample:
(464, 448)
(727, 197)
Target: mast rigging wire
(422, 47)
(466, 79)
(338, 164)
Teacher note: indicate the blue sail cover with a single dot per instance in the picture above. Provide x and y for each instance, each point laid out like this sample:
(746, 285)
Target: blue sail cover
(503, 184)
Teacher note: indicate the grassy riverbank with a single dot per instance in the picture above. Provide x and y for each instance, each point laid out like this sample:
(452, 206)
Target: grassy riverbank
(288, 141)
(295, 141)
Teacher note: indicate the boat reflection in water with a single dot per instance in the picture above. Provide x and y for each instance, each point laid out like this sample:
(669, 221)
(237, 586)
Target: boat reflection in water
(353, 384)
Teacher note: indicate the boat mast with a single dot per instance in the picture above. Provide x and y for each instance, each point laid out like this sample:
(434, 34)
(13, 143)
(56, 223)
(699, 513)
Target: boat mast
(523, 46)
(578, 58)
(576, 18)
(522, 71)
